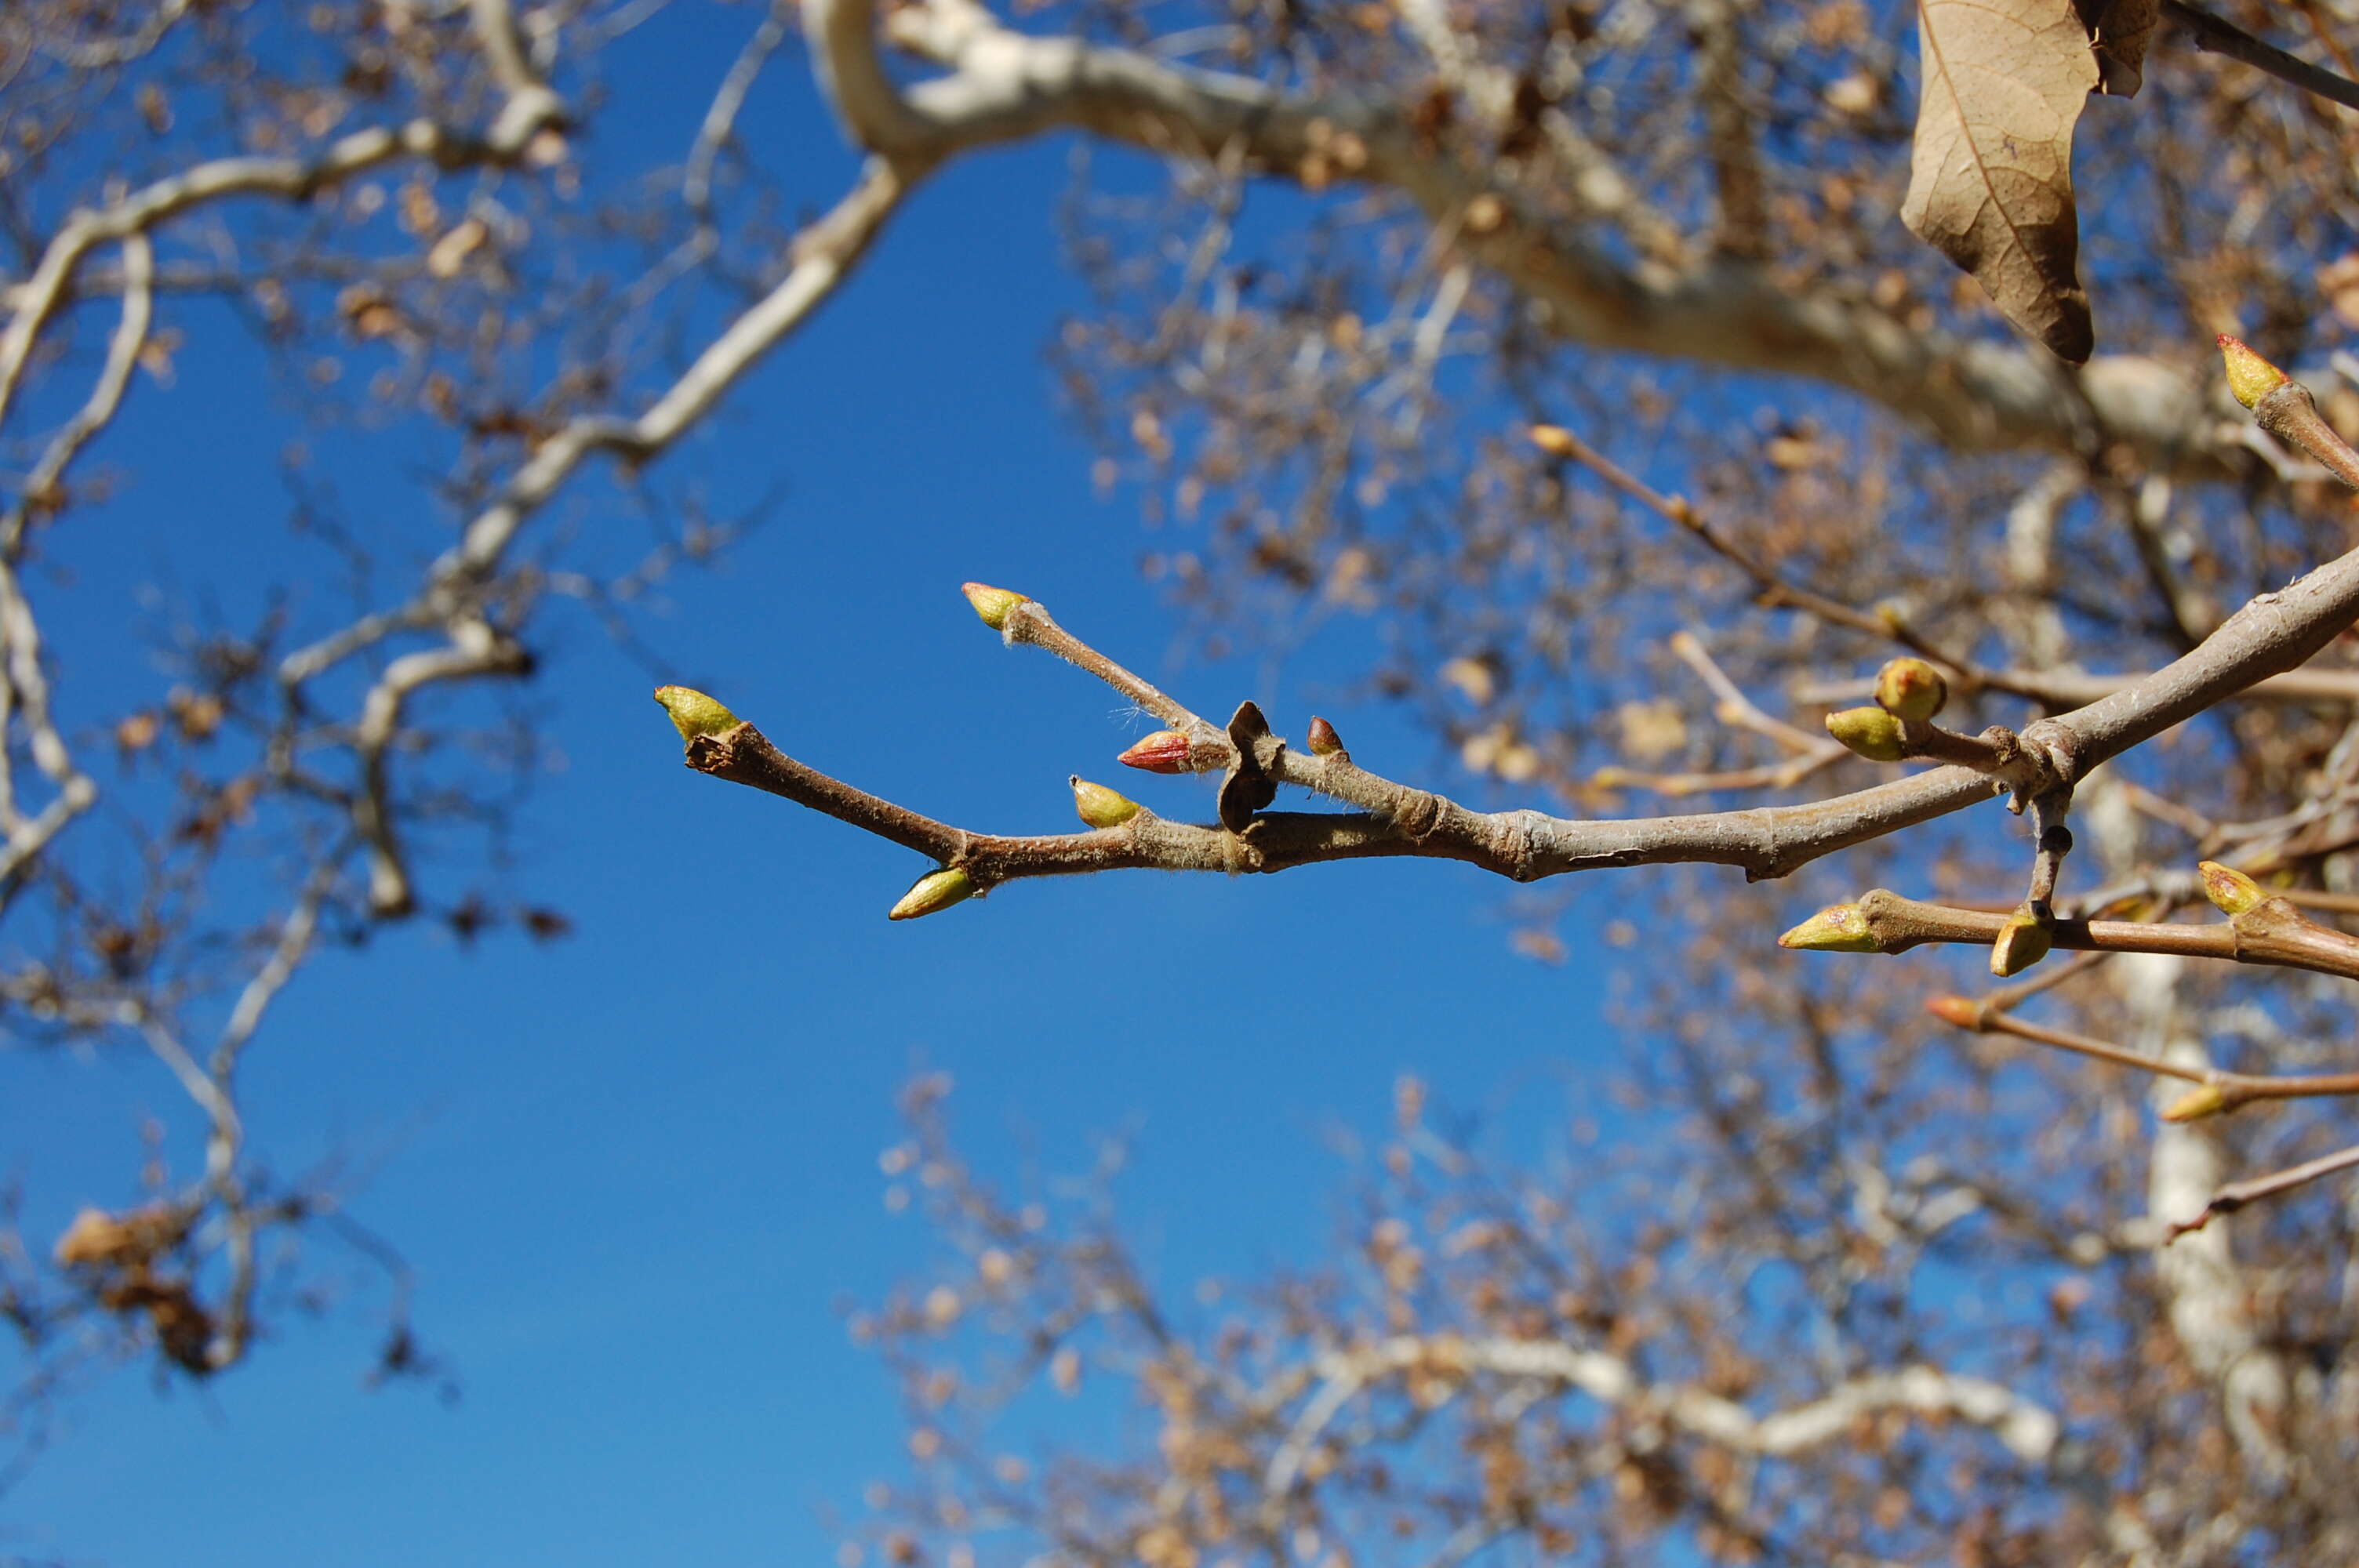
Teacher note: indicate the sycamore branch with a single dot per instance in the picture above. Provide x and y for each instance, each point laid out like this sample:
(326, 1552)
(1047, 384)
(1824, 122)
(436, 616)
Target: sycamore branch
(2236, 1195)
(822, 256)
(2273, 633)
(1731, 311)
(2270, 931)
(2072, 688)
(2216, 1092)
(2028, 1429)
(530, 107)
(2215, 35)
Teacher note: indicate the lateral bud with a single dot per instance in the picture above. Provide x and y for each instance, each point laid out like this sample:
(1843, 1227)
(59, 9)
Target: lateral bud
(2205, 1099)
(2231, 891)
(1099, 806)
(934, 892)
(1837, 929)
(2026, 938)
(1324, 741)
(2250, 377)
(694, 714)
(1869, 733)
(1911, 690)
(993, 604)
(1165, 751)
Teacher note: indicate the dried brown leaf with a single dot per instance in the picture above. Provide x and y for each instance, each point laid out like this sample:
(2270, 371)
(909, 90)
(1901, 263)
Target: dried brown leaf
(2119, 30)
(1990, 183)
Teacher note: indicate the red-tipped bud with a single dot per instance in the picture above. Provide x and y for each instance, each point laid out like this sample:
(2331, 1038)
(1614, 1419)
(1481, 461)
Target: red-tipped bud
(2205, 1099)
(934, 892)
(1957, 1010)
(2231, 891)
(2250, 377)
(1324, 741)
(1553, 440)
(1869, 733)
(992, 603)
(693, 713)
(1099, 806)
(2023, 941)
(1165, 751)
(1910, 689)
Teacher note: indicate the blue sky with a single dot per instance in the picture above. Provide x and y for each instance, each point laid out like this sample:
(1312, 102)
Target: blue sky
(637, 1171)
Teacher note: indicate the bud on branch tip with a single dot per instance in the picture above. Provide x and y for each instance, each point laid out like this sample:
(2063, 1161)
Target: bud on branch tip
(993, 603)
(1552, 439)
(2250, 377)
(1099, 806)
(1869, 733)
(2205, 1099)
(1957, 1010)
(2231, 891)
(1837, 929)
(1324, 741)
(934, 892)
(693, 713)
(1165, 751)
(1911, 690)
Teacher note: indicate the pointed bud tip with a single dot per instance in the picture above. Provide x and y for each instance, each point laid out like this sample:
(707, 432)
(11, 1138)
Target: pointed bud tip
(932, 893)
(2231, 891)
(2022, 942)
(1911, 690)
(1165, 751)
(1869, 733)
(1553, 440)
(1956, 1010)
(992, 604)
(1324, 741)
(1099, 806)
(693, 713)
(2250, 377)
(2202, 1101)
(1837, 929)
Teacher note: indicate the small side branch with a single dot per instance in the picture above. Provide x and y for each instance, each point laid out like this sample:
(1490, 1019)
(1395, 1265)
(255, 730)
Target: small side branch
(2213, 34)
(2236, 1195)
(2273, 934)
(2271, 633)
(2216, 1091)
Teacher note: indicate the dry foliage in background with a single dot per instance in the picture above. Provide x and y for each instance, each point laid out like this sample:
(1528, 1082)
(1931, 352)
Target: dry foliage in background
(1551, 257)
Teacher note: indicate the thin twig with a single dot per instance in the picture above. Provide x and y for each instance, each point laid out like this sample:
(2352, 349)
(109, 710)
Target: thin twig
(2275, 934)
(2272, 633)
(2236, 1195)
(1775, 591)
(2215, 35)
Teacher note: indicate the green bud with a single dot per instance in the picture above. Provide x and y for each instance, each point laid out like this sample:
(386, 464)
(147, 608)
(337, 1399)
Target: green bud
(2023, 941)
(693, 713)
(993, 603)
(2250, 377)
(1869, 733)
(1099, 806)
(1911, 690)
(2231, 891)
(2205, 1099)
(1837, 929)
(933, 891)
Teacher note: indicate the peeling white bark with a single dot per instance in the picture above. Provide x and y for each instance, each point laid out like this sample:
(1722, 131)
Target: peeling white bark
(1003, 86)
